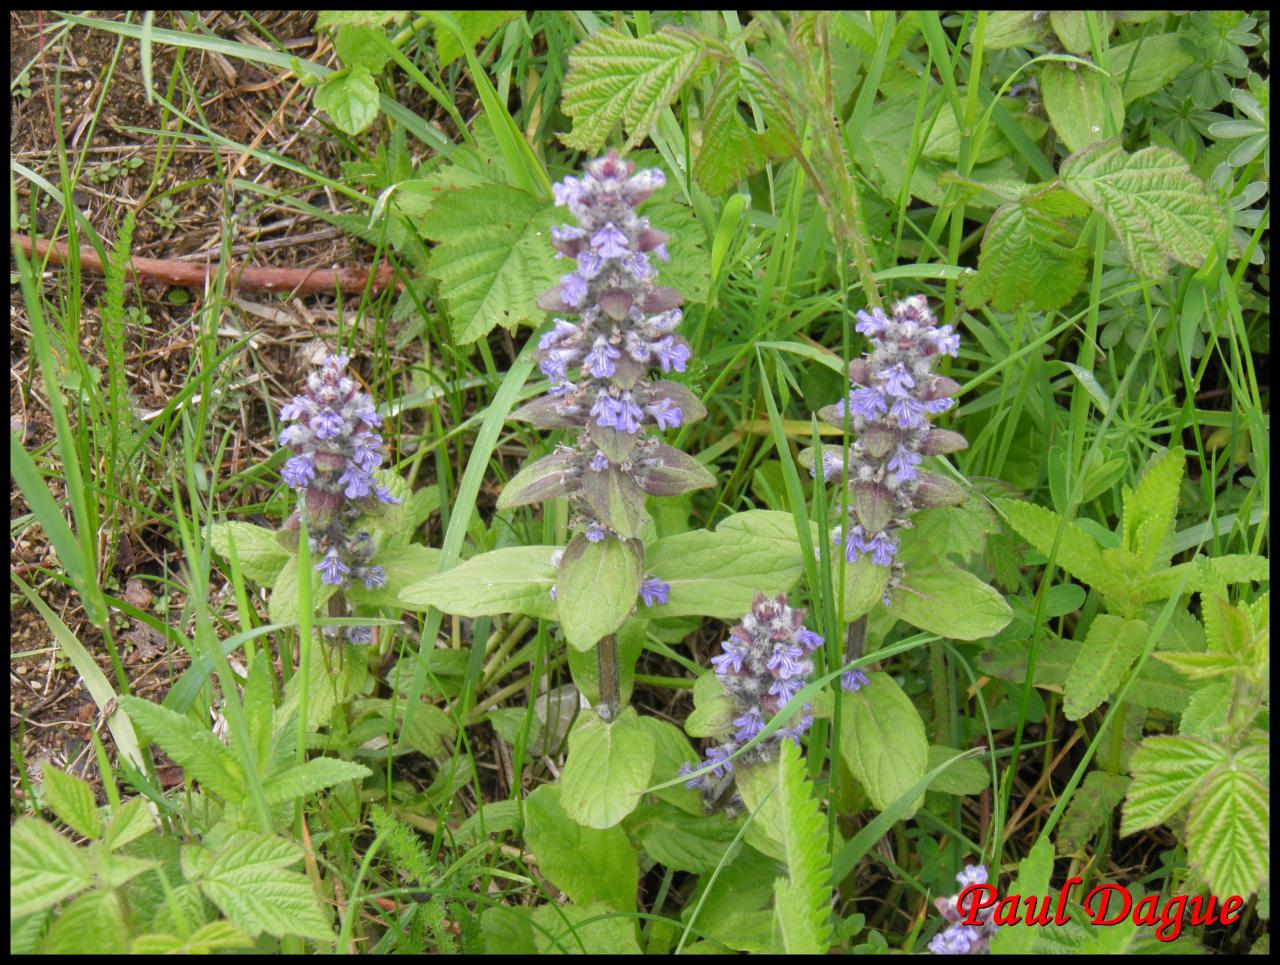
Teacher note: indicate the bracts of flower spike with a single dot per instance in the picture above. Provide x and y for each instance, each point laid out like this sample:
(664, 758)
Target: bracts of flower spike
(599, 365)
(332, 432)
(958, 938)
(762, 666)
(894, 394)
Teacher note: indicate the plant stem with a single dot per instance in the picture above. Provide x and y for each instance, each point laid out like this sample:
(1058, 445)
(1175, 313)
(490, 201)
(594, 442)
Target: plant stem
(607, 663)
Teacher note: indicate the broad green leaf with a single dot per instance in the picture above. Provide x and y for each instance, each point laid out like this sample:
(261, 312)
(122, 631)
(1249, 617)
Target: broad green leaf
(802, 903)
(681, 841)
(730, 906)
(329, 19)
(350, 97)
(44, 867)
(507, 931)
(403, 567)
(1146, 66)
(258, 551)
(1092, 806)
(882, 740)
(71, 800)
(1207, 710)
(282, 607)
(517, 579)
(248, 882)
(115, 869)
(1072, 29)
(1152, 201)
(359, 45)
(944, 139)
(712, 714)
(1150, 511)
(1015, 28)
(615, 78)
(476, 25)
(586, 864)
(311, 776)
(593, 929)
(209, 938)
(1034, 872)
(492, 258)
(93, 924)
(949, 601)
(962, 777)
(131, 821)
(1084, 105)
(757, 786)
(731, 149)
(205, 758)
(670, 750)
(1027, 256)
(1229, 832)
(596, 588)
(768, 524)
(864, 586)
(1110, 649)
(1166, 774)
(607, 769)
(717, 574)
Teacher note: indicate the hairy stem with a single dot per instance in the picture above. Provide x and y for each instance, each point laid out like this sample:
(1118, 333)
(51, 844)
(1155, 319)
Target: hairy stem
(607, 663)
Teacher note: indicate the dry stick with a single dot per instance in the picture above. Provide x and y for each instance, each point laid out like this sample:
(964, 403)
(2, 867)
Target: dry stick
(296, 281)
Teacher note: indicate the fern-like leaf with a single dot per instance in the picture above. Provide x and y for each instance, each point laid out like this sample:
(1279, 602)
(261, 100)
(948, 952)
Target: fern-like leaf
(802, 901)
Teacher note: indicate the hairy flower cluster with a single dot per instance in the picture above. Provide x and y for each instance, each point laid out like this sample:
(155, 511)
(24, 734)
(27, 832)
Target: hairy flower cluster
(894, 394)
(764, 663)
(616, 326)
(958, 938)
(332, 432)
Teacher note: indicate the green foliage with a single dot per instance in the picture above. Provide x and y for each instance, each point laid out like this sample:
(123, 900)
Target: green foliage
(517, 579)
(585, 863)
(883, 742)
(596, 588)
(607, 769)
(350, 98)
(476, 25)
(802, 903)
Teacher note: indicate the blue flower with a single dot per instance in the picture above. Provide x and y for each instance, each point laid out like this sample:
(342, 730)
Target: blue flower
(854, 680)
(665, 413)
(671, 354)
(332, 570)
(610, 242)
(749, 724)
(654, 591)
(299, 471)
(375, 577)
(573, 288)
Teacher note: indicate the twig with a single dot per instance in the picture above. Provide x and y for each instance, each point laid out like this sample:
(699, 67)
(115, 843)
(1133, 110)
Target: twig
(297, 281)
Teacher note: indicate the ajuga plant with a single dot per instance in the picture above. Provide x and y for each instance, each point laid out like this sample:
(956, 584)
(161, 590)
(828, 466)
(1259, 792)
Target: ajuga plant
(959, 938)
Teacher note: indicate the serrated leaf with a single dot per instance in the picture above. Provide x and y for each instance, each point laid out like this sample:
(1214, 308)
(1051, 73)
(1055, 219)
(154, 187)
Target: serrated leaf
(1034, 872)
(1229, 832)
(476, 26)
(732, 150)
(802, 903)
(93, 924)
(1078, 553)
(311, 776)
(882, 740)
(44, 867)
(71, 800)
(1084, 105)
(248, 882)
(1152, 201)
(1150, 511)
(585, 863)
(615, 78)
(205, 758)
(607, 769)
(1206, 711)
(717, 574)
(493, 257)
(949, 601)
(1026, 256)
(131, 821)
(1146, 66)
(350, 98)
(517, 579)
(258, 551)
(1112, 646)
(1166, 773)
(1092, 806)
(114, 870)
(596, 587)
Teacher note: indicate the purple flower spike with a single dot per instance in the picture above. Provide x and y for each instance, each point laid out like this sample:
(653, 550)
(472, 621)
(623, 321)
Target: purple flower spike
(375, 577)
(573, 288)
(808, 639)
(749, 724)
(665, 413)
(599, 361)
(299, 471)
(610, 242)
(869, 404)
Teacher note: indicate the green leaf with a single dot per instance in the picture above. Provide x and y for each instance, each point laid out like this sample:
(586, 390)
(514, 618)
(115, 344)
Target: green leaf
(1028, 255)
(1152, 201)
(547, 478)
(517, 579)
(1091, 807)
(1084, 105)
(282, 607)
(802, 903)
(1110, 649)
(493, 257)
(944, 139)
(1014, 28)
(1034, 872)
(712, 709)
(615, 78)
(114, 869)
(731, 149)
(882, 740)
(131, 821)
(1148, 65)
(593, 929)
(71, 800)
(1229, 832)
(864, 586)
(1078, 553)
(211, 937)
(607, 769)
(961, 531)
(359, 45)
(1072, 29)
(328, 19)
(617, 500)
(248, 882)
(949, 601)
(1149, 512)
(671, 749)
(44, 867)
(678, 840)
(730, 906)
(476, 25)
(93, 924)
(717, 574)
(1166, 774)
(205, 758)
(596, 588)
(403, 566)
(311, 776)
(1207, 710)
(258, 550)
(964, 776)
(350, 97)
(585, 863)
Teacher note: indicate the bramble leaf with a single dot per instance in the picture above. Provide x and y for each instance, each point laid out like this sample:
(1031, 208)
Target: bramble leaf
(311, 776)
(205, 758)
(1166, 774)
(476, 25)
(248, 882)
(1229, 832)
(731, 149)
(71, 800)
(44, 867)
